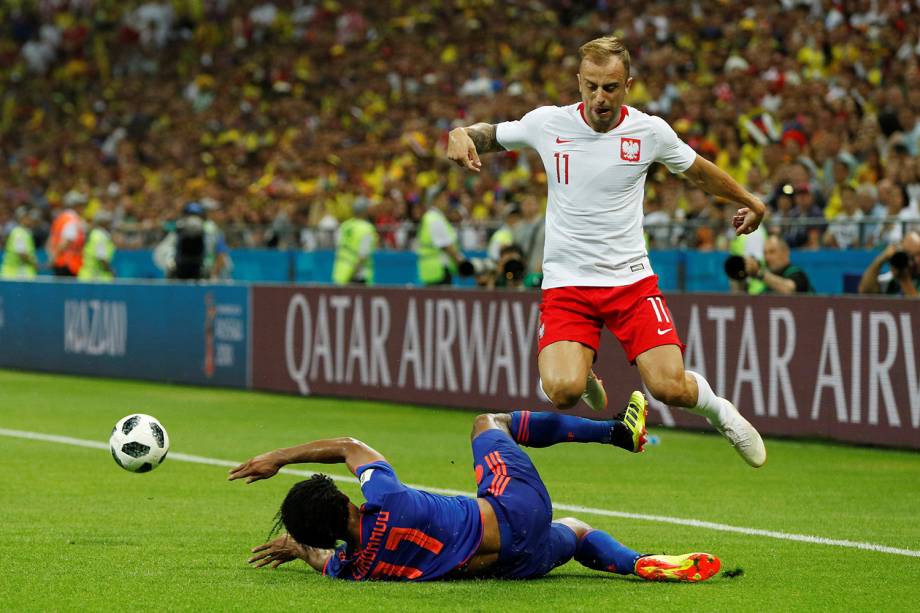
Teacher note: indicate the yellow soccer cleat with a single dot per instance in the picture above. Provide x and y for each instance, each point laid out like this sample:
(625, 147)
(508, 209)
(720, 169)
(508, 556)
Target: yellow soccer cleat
(690, 567)
(631, 434)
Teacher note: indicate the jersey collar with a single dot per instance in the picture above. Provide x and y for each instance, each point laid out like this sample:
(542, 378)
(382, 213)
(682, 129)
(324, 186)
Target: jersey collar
(624, 113)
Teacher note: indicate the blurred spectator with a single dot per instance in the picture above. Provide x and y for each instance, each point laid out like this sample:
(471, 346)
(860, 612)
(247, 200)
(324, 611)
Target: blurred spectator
(844, 230)
(19, 260)
(777, 273)
(898, 216)
(356, 244)
(99, 251)
(867, 200)
(530, 234)
(802, 234)
(903, 276)
(287, 112)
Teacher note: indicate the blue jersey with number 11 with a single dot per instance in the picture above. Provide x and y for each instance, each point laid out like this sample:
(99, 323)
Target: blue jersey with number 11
(407, 534)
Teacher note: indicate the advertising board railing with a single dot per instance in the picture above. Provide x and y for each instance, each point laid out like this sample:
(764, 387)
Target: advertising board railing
(841, 368)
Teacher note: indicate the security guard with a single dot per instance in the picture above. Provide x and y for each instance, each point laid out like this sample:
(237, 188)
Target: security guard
(19, 260)
(355, 246)
(99, 251)
(438, 250)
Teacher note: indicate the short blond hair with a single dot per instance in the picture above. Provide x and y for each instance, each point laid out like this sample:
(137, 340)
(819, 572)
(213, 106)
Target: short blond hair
(601, 49)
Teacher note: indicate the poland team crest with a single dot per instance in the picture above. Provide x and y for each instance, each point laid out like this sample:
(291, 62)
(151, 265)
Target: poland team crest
(630, 148)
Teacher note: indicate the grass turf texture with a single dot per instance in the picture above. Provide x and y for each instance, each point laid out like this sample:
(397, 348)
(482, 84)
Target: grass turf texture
(78, 532)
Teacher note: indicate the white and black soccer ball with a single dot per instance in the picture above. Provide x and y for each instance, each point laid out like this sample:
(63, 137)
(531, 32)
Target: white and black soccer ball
(139, 443)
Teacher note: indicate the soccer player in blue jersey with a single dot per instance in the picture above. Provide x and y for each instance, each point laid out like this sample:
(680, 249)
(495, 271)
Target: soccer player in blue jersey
(507, 531)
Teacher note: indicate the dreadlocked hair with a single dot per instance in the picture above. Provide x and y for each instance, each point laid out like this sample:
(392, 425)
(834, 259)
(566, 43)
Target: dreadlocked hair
(314, 512)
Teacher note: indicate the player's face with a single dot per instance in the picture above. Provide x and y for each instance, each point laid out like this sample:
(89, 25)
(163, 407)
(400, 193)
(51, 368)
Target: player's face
(603, 88)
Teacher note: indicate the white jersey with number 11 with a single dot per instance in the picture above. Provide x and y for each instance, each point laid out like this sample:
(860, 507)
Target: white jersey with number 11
(596, 187)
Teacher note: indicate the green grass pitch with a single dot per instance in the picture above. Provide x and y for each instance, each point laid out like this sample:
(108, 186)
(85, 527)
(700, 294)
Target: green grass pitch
(77, 532)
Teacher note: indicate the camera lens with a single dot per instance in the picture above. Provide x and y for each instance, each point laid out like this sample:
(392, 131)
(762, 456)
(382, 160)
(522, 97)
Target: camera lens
(900, 260)
(466, 269)
(734, 268)
(513, 270)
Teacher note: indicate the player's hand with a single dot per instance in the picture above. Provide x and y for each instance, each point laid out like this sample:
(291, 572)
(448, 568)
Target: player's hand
(260, 467)
(277, 552)
(462, 150)
(746, 221)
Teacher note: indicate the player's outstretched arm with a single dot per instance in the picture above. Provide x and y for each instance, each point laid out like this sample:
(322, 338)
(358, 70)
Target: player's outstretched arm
(717, 182)
(464, 145)
(349, 451)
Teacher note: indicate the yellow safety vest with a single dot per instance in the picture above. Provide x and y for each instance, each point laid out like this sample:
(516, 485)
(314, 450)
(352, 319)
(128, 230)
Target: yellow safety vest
(14, 267)
(98, 241)
(352, 234)
(431, 260)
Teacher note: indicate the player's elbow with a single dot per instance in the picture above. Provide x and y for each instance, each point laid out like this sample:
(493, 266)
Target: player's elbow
(350, 445)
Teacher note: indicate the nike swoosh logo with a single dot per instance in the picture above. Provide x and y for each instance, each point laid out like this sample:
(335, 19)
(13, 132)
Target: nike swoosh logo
(559, 141)
(660, 331)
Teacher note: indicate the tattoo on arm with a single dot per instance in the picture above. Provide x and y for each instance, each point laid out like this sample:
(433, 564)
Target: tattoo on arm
(483, 136)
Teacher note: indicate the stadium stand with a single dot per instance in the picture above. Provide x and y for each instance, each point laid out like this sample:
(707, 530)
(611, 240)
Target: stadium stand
(278, 115)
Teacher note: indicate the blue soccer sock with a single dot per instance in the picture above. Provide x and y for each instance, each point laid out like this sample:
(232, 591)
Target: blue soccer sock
(600, 551)
(545, 429)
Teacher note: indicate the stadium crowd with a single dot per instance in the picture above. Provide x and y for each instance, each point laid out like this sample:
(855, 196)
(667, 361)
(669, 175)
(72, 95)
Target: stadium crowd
(278, 116)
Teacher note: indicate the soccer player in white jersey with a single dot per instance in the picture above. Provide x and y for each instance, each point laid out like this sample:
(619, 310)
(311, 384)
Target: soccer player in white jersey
(596, 269)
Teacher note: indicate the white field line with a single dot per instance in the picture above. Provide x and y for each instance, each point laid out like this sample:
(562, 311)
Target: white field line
(693, 523)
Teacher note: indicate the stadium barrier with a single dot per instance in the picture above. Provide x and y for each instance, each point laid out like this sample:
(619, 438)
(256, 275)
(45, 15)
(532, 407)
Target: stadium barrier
(830, 271)
(839, 368)
(156, 331)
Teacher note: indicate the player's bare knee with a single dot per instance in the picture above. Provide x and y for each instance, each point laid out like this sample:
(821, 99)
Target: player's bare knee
(669, 390)
(564, 394)
(491, 421)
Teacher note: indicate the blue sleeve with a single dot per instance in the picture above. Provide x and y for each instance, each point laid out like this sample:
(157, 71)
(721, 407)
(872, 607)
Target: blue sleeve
(378, 480)
(338, 563)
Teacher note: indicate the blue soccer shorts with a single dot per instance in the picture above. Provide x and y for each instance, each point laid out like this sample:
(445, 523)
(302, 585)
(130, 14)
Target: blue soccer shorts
(531, 544)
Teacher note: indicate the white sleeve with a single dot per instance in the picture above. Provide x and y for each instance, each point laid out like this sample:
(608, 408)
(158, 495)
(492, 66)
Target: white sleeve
(674, 153)
(440, 233)
(524, 133)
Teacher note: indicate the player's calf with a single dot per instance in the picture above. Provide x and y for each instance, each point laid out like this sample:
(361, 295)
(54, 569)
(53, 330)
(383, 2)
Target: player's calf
(544, 429)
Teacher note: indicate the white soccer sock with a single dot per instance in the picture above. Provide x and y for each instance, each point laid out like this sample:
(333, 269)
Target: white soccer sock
(708, 404)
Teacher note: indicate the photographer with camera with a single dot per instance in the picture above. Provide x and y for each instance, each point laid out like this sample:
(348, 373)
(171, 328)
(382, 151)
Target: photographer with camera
(508, 271)
(903, 278)
(777, 275)
(194, 248)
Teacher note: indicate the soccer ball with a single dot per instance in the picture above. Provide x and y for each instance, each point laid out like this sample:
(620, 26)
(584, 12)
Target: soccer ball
(139, 443)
